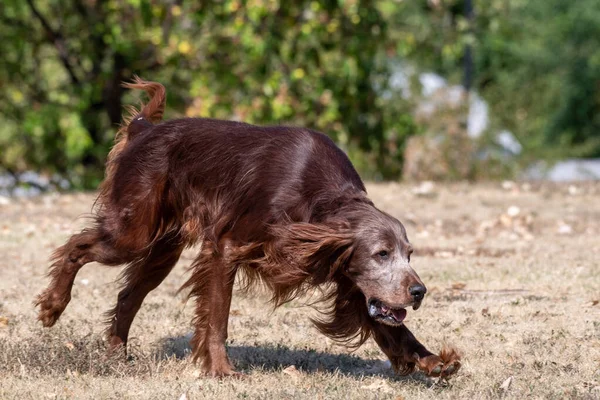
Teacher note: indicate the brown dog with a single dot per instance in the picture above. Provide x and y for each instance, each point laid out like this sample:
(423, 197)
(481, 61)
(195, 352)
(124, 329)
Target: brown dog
(283, 205)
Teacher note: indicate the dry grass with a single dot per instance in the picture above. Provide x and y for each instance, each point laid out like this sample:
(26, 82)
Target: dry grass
(517, 292)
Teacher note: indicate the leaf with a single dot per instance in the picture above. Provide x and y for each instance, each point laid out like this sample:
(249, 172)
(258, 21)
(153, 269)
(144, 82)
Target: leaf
(146, 12)
(506, 384)
(378, 385)
(293, 373)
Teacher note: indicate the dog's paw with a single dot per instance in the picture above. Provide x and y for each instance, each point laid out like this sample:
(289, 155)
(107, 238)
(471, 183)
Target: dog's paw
(116, 349)
(51, 307)
(444, 365)
(220, 369)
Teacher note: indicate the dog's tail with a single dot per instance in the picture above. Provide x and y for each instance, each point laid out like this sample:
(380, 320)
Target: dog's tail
(134, 122)
(151, 113)
(138, 120)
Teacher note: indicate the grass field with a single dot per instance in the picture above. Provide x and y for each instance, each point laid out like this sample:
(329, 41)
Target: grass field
(513, 272)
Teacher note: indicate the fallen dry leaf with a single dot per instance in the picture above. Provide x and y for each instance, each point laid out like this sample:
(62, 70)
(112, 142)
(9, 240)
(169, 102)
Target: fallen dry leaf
(425, 189)
(508, 185)
(293, 372)
(564, 228)
(506, 384)
(378, 385)
(459, 285)
(573, 190)
(513, 211)
(3, 322)
(197, 373)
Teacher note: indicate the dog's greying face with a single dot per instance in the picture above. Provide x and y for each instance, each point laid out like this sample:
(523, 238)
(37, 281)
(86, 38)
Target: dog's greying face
(380, 268)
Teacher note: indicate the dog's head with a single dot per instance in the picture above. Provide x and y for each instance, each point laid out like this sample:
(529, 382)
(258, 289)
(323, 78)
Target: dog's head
(379, 266)
(363, 244)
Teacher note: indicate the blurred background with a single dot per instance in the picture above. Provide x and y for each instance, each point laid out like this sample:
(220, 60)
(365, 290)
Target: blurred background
(410, 89)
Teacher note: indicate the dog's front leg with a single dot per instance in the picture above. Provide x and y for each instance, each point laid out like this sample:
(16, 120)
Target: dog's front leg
(405, 352)
(212, 285)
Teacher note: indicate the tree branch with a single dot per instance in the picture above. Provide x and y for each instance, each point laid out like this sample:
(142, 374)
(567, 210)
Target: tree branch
(13, 22)
(57, 39)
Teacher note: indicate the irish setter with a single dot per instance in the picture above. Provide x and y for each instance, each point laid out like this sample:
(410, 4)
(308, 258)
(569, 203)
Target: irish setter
(282, 205)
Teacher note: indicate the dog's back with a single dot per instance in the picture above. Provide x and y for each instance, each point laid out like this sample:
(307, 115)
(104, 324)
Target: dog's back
(224, 172)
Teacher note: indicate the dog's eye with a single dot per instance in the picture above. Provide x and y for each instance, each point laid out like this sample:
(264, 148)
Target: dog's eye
(383, 254)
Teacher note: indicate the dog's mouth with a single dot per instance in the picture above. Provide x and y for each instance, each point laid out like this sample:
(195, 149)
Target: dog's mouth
(383, 313)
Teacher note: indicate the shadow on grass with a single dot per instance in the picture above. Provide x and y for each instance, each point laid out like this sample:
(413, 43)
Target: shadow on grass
(67, 353)
(274, 358)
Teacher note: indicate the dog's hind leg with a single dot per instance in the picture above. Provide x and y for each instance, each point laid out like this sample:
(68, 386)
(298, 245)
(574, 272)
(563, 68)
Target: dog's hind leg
(87, 246)
(141, 277)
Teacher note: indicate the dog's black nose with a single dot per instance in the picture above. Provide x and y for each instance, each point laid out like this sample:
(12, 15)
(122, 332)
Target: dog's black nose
(417, 292)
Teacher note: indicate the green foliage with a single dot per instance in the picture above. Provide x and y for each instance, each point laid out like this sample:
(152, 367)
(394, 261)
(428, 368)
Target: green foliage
(320, 64)
(537, 64)
(308, 63)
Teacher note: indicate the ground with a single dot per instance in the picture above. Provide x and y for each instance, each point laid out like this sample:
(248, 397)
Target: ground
(513, 273)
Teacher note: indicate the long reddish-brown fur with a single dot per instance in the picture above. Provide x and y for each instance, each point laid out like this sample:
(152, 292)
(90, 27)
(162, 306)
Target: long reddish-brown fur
(283, 205)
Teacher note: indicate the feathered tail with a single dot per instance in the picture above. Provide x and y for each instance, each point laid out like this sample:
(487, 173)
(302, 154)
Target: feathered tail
(134, 121)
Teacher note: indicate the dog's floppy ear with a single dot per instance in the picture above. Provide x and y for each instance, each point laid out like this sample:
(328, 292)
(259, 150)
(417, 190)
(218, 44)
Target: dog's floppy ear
(317, 249)
(298, 257)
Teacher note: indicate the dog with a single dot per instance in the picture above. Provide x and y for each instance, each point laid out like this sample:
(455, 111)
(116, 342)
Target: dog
(283, 205)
